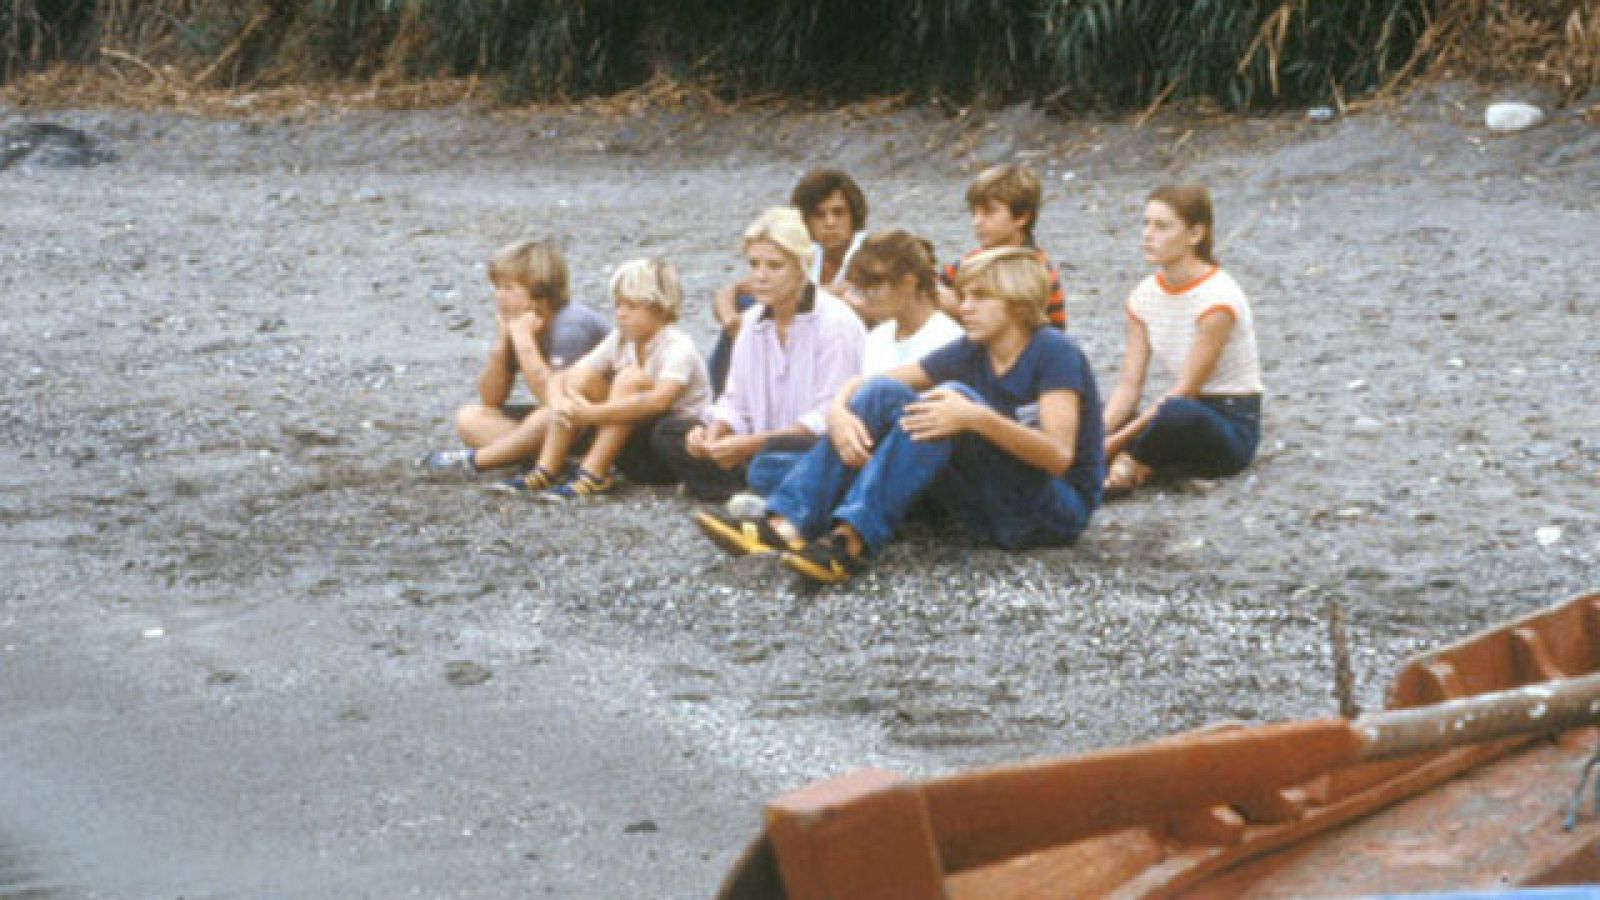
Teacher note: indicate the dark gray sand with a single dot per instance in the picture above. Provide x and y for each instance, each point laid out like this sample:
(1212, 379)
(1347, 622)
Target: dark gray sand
(245, 651)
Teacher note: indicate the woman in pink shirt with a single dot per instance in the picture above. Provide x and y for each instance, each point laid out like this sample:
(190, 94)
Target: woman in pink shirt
(795, 348)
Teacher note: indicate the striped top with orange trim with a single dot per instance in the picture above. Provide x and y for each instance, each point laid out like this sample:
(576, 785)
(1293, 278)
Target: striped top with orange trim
(1171, 314)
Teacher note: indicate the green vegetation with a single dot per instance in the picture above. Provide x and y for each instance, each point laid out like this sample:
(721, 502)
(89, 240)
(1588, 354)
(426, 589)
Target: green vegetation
(1243, 54)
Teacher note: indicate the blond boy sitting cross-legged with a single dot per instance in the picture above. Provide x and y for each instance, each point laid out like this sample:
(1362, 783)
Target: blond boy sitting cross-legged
(644, 369)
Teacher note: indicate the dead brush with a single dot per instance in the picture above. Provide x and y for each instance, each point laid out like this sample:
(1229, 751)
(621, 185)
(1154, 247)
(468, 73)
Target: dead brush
(1551, 43)
(624, 54)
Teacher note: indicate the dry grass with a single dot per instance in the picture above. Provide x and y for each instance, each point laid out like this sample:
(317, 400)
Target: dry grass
(131, 84)
(1551, 43)
(253, 57)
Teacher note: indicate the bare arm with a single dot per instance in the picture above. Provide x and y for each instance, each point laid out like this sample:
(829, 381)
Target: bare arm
(725, 305)
(1050, 447)
(633, 408)
(494, 382)
(525, 345)
(1130, 383)
(846, 430)
(1211, 335)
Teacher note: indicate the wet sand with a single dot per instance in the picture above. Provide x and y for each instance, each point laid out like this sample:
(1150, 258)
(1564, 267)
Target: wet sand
(232, 612)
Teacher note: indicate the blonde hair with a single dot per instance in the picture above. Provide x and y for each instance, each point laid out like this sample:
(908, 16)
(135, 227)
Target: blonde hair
(1014, 185)
(784, 228)
(537, 266)
(652, 281)
(1014, 274)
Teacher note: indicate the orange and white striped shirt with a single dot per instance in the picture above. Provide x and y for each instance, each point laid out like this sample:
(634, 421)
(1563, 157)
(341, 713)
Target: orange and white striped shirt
(1171, 315)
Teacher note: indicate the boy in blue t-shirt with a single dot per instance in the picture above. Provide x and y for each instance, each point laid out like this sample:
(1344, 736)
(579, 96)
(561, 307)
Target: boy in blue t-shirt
(1002, 427)
(538, 331)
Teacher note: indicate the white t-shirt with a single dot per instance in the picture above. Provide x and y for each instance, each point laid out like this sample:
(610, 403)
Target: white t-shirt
(670, 356)
(1171, 316)
(883, 352)
(815, 275)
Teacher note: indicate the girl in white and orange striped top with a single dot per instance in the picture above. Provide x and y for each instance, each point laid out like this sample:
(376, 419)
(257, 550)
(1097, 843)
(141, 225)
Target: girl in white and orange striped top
(1191, 324)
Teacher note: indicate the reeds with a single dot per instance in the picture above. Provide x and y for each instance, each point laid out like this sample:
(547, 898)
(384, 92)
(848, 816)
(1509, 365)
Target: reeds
(1241, 54)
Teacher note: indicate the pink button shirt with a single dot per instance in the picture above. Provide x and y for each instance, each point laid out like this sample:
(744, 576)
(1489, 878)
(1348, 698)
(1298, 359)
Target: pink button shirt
(771, 386)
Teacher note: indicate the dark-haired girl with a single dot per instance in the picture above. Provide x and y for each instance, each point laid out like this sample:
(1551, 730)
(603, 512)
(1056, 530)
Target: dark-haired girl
(1189, 327)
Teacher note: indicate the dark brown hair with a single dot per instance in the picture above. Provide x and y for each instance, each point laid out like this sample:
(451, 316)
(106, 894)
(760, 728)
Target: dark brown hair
(1192, 203)
(890, 256)
(818, 185)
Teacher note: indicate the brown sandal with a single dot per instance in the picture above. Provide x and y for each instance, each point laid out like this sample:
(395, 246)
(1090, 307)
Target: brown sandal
(1124, 476)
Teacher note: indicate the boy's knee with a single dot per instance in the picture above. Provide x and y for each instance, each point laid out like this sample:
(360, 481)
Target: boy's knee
(964, 390)
(881, 390)
(631, 381)
(468, 417)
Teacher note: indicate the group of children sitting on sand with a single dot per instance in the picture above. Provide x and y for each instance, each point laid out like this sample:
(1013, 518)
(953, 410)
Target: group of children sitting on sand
(842, 393)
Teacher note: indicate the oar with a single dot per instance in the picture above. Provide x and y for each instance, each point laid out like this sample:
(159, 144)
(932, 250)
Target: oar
(983, 817)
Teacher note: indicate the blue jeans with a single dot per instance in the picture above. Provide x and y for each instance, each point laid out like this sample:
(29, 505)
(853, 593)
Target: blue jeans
(1210, 437)
(992, 494)
(769, 468)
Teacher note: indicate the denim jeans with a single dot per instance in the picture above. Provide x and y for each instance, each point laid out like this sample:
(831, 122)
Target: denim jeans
(991, 493)
(1210, 437)
(769, 468)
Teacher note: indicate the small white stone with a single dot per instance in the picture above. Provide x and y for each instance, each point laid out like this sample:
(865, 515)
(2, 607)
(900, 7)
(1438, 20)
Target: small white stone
(1505, 117)
(1547, 535)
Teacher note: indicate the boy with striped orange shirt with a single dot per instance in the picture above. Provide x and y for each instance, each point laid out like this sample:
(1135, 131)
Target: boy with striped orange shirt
(1004, 201)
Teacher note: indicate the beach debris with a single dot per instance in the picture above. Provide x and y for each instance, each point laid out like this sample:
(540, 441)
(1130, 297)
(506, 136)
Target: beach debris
(466, 673)
(643, 826)
(1512, 116)
(153, 632)
(1320, 114)
(1547, 535)
(49, 145)
(1366, 426)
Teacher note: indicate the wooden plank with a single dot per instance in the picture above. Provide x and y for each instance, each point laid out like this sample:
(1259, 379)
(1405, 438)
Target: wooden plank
(984, 817)
(863, 836)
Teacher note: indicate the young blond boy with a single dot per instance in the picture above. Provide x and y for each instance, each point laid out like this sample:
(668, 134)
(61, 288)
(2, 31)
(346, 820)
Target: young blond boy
(1004, 201)
(646, 368)
(538, 331)
(1001, 427)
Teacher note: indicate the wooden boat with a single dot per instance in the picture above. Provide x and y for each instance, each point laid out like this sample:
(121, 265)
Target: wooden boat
(1464, 782)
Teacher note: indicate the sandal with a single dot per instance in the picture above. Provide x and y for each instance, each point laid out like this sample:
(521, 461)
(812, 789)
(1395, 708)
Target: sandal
(1124, 476)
